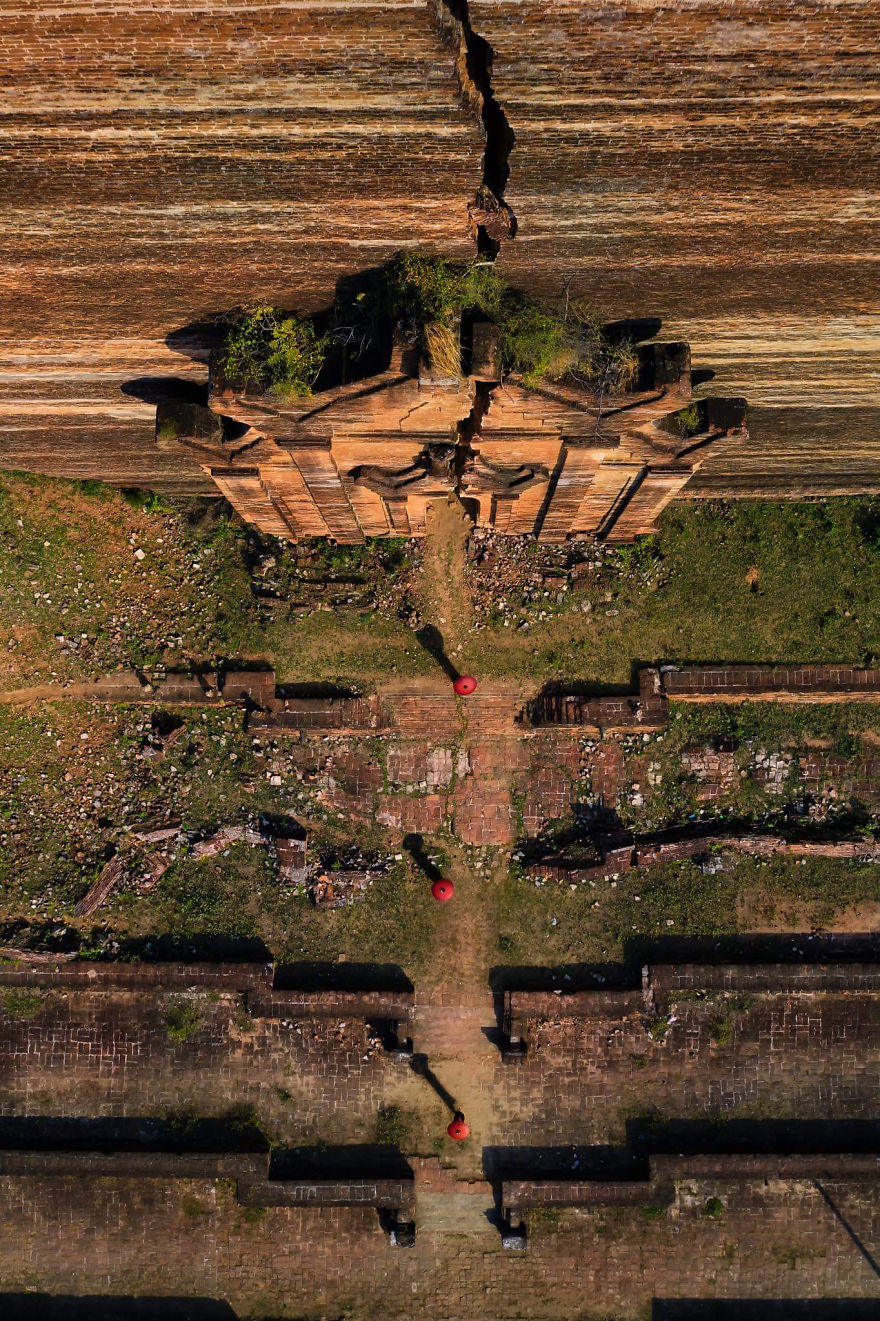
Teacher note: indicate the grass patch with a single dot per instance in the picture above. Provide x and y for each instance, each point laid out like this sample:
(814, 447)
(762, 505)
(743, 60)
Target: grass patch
(393, 1127)
(64, 800)
(817, 599)
(163, 581)
(182, 1021)
(610, 921)
(773, 724)
(76, 605)
(19, 1002)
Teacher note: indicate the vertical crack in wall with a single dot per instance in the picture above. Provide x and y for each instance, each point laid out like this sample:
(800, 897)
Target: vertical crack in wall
(492, 220)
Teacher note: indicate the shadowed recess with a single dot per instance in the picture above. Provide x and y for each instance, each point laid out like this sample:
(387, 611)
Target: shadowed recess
(94, 1307)
(40, 1133)
(354, 1161)
(314, 976)
(765, 1309)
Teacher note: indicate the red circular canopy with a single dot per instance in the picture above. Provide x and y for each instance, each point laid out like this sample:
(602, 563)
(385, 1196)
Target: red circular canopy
(443, 890)
(458, 1130)
(464, 685)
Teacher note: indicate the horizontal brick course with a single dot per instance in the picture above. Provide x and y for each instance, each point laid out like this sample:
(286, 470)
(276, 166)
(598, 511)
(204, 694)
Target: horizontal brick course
(169, 163)
(254, 981)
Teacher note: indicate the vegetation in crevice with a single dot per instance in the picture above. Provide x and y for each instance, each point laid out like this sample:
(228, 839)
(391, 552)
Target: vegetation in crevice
(426, 297)
(269, 349)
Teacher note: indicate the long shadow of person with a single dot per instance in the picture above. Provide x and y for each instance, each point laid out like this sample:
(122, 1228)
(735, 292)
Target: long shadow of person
(430, 637)
(415, 847)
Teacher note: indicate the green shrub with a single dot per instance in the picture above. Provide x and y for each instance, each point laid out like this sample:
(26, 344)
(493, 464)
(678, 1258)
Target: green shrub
(713, 1207)
(167, 429)
(688, 421)
(271, 351)
(182, 1021)
(534, 342)
(419, 289)
(242, 1119)
(144, 501)
(721, 1030)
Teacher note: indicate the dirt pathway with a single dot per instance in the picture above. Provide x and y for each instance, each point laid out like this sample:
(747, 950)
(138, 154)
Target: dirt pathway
(454, 1002)
(444, 596)
(454, 1006)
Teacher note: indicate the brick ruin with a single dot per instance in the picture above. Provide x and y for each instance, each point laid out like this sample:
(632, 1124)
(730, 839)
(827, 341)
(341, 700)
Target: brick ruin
(680, 1135)
(366, 459)
(129, 1171)
(618, 1101)
(264, 158)
(512, 763)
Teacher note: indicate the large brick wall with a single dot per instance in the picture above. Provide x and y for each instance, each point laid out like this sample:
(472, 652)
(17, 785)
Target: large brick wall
(712, 163)
(707, 163)
(166, 163)
(814, 1055)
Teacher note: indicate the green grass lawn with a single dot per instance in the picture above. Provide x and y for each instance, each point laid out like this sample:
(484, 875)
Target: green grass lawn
(91, 581)
(613, 919)
(753, 581)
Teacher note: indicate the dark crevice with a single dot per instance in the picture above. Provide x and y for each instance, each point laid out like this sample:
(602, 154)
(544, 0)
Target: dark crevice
(492, 219)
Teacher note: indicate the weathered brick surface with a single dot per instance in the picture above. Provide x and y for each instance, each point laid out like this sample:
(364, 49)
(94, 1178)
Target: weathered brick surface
(521, 1195)
(167, 163)
(657, 147)
(790, 1056)
(809, 1054)
(90, 1052)
(717, 681)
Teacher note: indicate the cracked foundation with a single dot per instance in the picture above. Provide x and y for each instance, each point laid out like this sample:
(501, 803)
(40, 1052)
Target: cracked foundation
(492, 219)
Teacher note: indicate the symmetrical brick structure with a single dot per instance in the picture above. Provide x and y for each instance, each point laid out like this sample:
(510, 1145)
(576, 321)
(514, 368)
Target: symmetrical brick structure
(366, 459)
(157, 1225)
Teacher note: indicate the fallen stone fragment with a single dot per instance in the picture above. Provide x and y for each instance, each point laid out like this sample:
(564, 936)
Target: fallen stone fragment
(103, 886)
